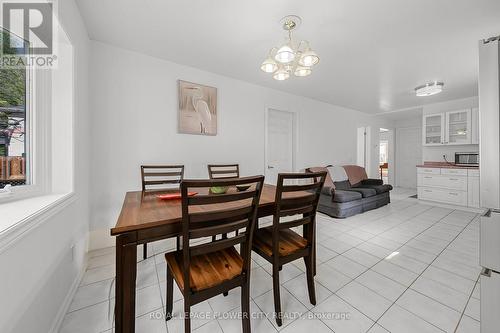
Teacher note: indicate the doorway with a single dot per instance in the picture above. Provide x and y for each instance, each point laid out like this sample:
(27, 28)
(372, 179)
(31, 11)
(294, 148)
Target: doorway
(280, 143)
(386, 152)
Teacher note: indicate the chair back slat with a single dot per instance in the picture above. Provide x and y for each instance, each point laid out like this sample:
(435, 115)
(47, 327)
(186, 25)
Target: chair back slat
(296, 211)
(221, 198)
(222, 215)
(296, 188)
(218, 245)
(216, 229)
(295, 223)
(154, 176)
(218, 214)
(223, 171)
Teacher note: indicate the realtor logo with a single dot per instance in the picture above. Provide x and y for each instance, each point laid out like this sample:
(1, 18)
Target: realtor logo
(34, 20)
(27, 33)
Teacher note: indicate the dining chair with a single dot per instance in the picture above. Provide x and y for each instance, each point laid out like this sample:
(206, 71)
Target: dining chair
(223, 171)
(205, 270)
(160, 178)
(296, 203)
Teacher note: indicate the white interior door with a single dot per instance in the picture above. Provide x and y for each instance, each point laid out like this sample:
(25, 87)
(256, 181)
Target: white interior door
(279, 144)
(408, 155)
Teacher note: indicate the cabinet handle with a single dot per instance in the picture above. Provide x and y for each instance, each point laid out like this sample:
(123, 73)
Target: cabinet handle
(453, 178)
(451, 193)
(427, 191)
(428, 177)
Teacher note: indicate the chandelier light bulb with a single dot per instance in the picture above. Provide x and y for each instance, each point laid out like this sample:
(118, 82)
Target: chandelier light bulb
(285, 54)
(269, 65)
(302, 71)
(309, 58)
(281, 74)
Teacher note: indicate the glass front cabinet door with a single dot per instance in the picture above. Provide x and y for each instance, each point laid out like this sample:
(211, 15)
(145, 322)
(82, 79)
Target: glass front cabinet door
(458, 127)
(433, 129)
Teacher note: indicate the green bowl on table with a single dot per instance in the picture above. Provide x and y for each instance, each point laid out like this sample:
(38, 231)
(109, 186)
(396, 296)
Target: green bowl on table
(242, 187)
(218, 189)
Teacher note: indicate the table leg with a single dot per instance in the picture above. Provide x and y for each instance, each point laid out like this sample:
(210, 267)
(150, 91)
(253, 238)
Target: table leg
(126, 271)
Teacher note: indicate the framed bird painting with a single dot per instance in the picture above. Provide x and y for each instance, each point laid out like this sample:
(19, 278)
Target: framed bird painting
(197, 109)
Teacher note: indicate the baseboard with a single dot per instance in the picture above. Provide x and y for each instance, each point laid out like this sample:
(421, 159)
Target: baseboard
(450, 206)
(58, 320)
(100, 238)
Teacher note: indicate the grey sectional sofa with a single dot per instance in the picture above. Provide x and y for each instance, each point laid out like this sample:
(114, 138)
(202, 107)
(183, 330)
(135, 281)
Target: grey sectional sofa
(356, 195)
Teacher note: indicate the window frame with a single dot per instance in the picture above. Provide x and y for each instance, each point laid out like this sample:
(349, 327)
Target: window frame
(37, 131)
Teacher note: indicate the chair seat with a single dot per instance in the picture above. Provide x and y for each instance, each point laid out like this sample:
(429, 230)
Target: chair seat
(289, 241)
(206, 270)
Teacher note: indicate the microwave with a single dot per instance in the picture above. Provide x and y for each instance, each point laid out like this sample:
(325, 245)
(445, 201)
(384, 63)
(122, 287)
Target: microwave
(467, 159)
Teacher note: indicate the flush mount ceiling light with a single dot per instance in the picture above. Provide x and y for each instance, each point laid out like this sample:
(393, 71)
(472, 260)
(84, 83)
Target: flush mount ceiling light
(429, 89)
(290, 58)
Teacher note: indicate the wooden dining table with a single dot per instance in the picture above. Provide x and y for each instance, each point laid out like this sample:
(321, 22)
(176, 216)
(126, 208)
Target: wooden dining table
(145, 218)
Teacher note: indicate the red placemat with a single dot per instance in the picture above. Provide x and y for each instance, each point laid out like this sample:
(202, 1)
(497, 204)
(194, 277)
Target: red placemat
(172, 196)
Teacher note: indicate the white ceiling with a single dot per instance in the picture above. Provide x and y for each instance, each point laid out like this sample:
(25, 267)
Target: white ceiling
(373, 53)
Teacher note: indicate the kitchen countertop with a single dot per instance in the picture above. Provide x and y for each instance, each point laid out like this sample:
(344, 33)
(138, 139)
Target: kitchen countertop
(444, 165)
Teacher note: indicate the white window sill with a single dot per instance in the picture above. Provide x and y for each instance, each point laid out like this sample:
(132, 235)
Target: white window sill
(20, 216)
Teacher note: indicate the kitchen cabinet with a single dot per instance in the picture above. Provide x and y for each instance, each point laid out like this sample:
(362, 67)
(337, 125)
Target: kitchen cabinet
(459, 127)
(433, 128)
(457, 186)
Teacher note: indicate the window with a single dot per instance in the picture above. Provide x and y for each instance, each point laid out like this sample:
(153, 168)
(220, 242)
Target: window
(14, 119)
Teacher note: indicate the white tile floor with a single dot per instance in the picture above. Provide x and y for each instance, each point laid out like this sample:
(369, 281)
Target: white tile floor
(406, 267)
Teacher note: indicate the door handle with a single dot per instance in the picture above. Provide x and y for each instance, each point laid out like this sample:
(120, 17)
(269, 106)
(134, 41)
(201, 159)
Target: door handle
(270, 167)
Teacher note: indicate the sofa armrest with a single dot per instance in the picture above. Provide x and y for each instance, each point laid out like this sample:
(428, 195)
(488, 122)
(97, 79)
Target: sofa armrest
(372, 181)
(328, 190)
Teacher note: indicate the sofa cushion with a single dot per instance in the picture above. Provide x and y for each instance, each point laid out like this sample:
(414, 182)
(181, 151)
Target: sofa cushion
(346, 196)
(379, 188)
(344, 185)
(365, 192)
(372, 181)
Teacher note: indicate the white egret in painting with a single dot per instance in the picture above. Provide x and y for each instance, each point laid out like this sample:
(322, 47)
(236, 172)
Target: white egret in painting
(201, 108)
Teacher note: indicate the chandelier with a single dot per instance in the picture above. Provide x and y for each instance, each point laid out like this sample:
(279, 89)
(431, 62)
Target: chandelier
(291, 58)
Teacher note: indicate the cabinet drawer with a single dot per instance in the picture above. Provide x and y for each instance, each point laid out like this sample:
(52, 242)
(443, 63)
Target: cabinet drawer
(454, 172)
(441, 195)
(443, 181)
(433, 171)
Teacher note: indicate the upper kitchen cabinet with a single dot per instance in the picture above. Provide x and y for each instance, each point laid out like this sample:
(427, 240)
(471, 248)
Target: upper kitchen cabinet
(458, 127)
(451, 128)
(433, 128)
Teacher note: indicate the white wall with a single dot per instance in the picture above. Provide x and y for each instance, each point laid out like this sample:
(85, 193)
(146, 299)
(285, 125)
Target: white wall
(38, 271)
(134, 121)
(436, 153)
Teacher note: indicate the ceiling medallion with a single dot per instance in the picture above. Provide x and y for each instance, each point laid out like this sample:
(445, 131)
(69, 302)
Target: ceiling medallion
(291, 58)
